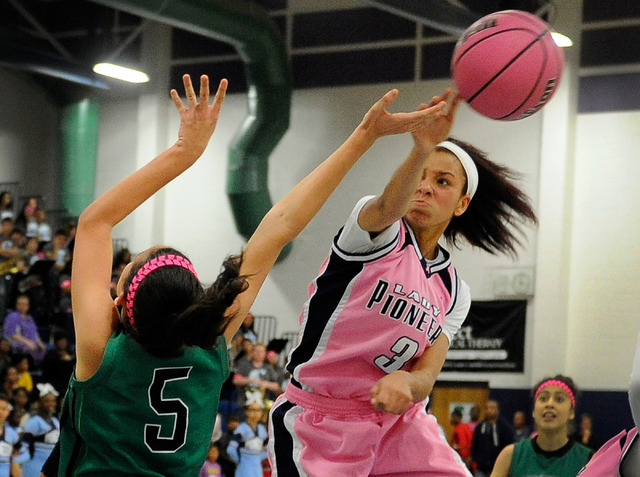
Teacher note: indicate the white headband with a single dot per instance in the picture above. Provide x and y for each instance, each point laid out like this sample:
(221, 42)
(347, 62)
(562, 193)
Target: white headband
(467, 164)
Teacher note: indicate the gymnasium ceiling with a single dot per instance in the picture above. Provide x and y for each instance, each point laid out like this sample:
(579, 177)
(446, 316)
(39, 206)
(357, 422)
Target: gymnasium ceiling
(54, 43)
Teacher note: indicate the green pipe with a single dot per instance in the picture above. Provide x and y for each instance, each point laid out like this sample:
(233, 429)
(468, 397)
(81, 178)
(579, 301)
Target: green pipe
(249, 29)
(79, 151)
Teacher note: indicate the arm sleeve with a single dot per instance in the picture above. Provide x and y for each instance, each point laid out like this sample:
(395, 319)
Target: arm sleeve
(460, 309)
(352, 239)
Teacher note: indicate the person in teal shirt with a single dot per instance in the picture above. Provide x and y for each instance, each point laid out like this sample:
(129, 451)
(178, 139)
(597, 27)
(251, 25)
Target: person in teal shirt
(551, 452)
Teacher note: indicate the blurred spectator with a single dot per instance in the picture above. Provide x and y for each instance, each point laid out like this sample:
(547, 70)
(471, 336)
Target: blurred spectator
(30, 255)
(520, 429)
(27, 217)
(21, 401)
(211, 467)
(19, 239)
(584, 435)
(248, 445)
(11, 381)
(57, 249)
(280, 376)
(45, 233)
(16, 419)
(58, 363)
(474, 417)
(8, 248)
(5, 355)
(6, 205)
(227, 466)
(23, 365)
(41, 431)
(255, 375)
(247, 344)
(22, 331)
(247, 330)
(492, 435)
(10, 439)
(462, 436)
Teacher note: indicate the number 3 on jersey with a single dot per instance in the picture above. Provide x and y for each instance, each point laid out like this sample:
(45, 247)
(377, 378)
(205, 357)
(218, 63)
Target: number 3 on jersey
(164, 407)
(404, 349)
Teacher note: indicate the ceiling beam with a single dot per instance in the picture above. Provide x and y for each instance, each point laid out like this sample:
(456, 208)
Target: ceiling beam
(42, 30)
(438, 14)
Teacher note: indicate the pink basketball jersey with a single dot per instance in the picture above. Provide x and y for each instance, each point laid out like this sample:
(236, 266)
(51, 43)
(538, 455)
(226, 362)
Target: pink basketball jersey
(607, 460)
(373, 313)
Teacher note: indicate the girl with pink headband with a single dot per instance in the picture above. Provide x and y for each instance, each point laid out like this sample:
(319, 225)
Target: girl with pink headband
(151, 363)
(551, 452)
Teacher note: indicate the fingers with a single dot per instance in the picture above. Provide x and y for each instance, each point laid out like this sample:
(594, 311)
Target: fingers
(176, 100)
(204, 89)
(221, 93)
(188, 89)
(390, 97)
(192, 99)
(386, 100)
(454, 107)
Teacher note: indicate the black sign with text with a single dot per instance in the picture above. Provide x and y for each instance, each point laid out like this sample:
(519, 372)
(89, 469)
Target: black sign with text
(490, 339)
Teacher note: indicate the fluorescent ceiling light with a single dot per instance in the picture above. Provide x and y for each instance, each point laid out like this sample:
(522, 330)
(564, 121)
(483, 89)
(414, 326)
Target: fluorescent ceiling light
(121, 73)
(561, 40)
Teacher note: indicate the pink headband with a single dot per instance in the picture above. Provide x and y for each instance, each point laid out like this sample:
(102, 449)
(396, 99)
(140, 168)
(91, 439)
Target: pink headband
(147, 268)
(560, 384)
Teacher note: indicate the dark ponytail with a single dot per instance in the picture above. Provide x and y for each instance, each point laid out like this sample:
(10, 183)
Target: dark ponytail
(172, 310)
(497, 209)
(205, 320)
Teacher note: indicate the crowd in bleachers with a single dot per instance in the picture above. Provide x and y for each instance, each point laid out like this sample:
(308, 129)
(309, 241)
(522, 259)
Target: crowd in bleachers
(37, 345)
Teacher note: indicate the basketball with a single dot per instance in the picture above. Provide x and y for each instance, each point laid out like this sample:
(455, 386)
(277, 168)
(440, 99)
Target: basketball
(506, 65)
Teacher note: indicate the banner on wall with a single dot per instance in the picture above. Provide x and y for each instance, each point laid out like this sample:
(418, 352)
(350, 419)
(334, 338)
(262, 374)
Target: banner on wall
(490, 339)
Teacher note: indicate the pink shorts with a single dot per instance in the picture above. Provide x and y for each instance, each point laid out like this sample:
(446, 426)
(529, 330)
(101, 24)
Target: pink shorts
(315, 436)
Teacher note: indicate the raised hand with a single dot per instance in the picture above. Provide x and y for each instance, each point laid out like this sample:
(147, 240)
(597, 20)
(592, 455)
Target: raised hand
(380, 122)
(437, 130)
(199, 119)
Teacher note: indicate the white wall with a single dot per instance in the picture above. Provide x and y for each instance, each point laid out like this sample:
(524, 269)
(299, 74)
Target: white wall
(29, 139)
(604, 311)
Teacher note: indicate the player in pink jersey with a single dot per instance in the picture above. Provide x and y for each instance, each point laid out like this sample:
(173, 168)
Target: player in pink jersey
(382, 312)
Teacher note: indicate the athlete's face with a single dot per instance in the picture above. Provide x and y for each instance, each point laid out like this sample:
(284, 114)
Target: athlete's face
(440, 195)
(552, 409)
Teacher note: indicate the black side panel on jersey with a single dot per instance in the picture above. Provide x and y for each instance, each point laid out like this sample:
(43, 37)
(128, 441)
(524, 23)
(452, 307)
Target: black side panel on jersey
(330, 288)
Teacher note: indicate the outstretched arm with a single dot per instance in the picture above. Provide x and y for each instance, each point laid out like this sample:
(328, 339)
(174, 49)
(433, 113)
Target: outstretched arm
(394, 202)
(93, 309)
(290, 215)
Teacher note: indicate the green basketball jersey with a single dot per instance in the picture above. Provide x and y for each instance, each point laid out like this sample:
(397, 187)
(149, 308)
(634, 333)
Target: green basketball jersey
(530, 461)
(142, 415)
